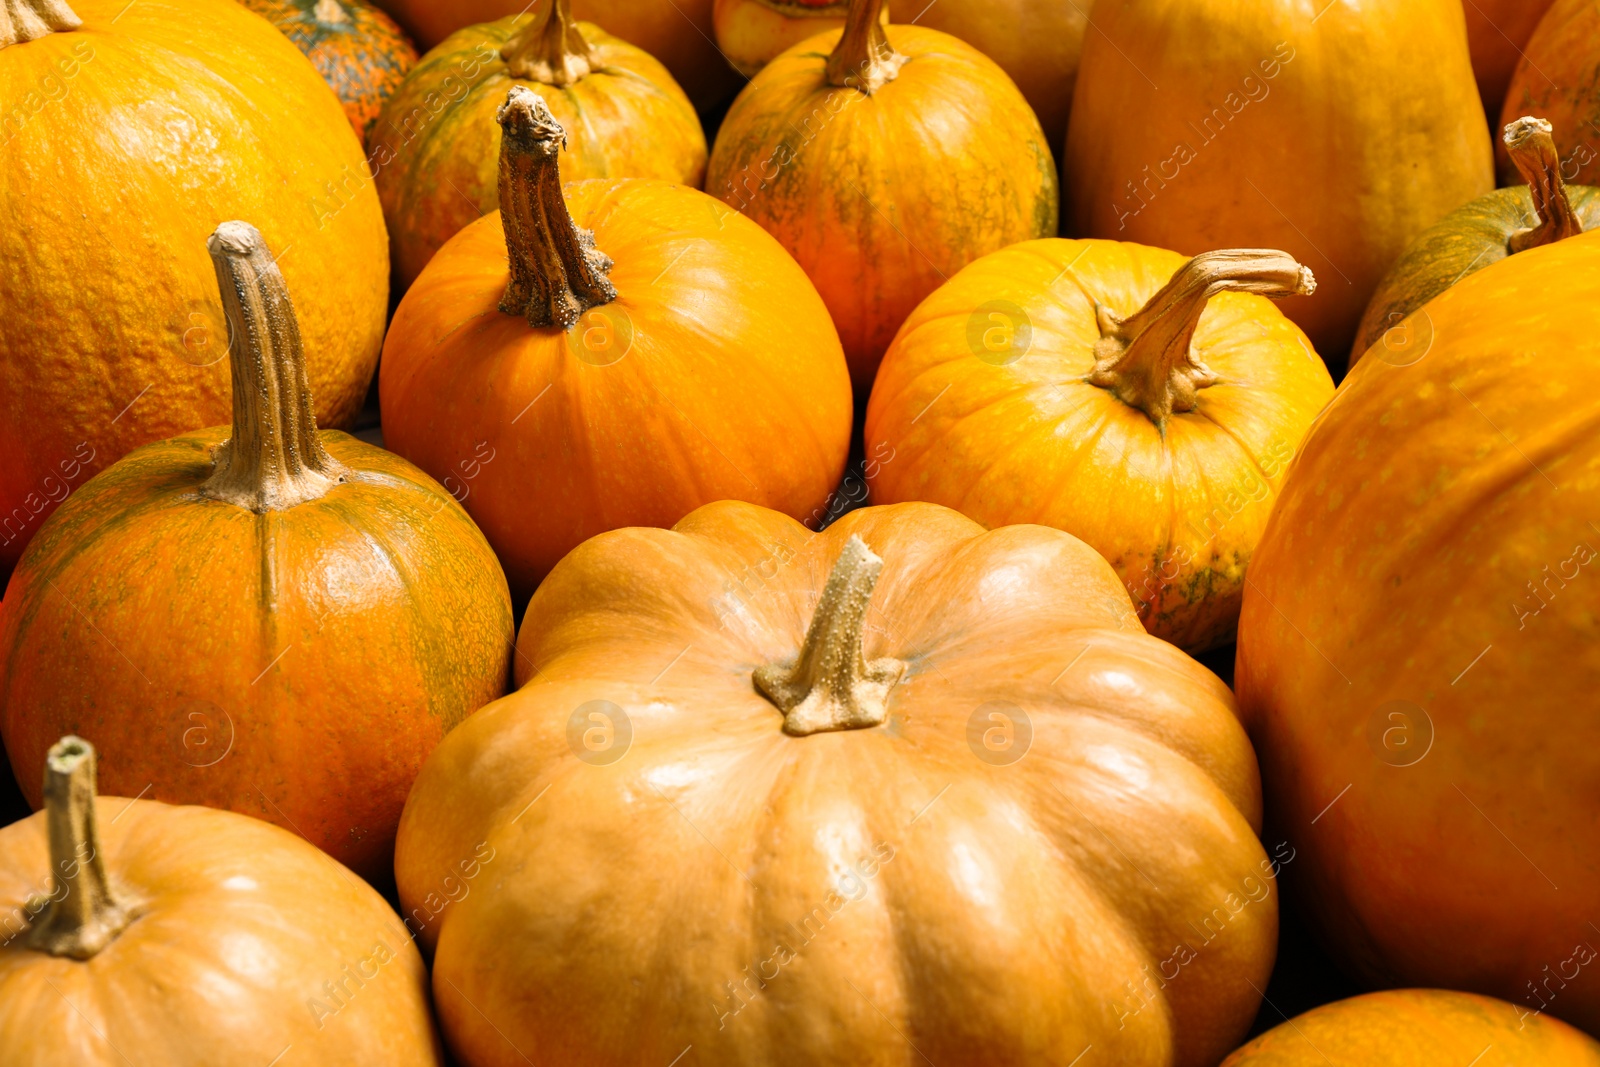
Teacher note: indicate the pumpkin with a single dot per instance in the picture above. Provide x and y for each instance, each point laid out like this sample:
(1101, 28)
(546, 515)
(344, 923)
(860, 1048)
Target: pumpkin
(751, 33)
(1118, 392)
(1554, 81)
(1419, 1028)
(1337, 132)
(279, 621)
(1036, 42)
(138, 932)
(616, 356)
(679, 33)
(436, 148)
(1497, 32)
(356, 48)
(884, 161)
(1470, 238)
(773, 794)
(129, 134)
(1417, 630)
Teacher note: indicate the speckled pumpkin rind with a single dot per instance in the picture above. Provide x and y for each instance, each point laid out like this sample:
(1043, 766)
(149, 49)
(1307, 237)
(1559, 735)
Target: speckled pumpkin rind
(1558, 79)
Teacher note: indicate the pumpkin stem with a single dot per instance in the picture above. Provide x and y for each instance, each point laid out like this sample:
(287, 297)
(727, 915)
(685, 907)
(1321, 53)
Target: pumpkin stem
(864, 58)
(274, 460)
(551, 49)
(330, 13)
(830, 686)
(81, 917)
(1534, 152)
(556, 271)
(1146, 359)
(29, 20)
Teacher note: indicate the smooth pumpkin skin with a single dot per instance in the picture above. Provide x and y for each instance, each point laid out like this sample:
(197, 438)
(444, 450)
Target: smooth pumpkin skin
(325, 649)
(1466, 240)
(1419, 1028)
(179, 115)
(437, 146)
(882, 197)
(1555, 80)
(240, 926)
(1397, 567)
(363, 56)
(1013, 909)
(734, 385)
(1497, 32)
(1177, 511)
(1369, 132)
(752, 33)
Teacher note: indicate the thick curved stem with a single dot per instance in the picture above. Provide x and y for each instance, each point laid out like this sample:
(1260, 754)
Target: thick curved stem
(556, 271)
(831, 686)
(274, 460)
(1534, 152)
(82, 916)
(1146, 359)
(550, 49)
(864, 58)
(29, 20)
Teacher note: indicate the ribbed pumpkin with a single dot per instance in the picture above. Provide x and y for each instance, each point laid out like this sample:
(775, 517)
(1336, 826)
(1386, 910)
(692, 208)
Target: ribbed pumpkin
(1555, 81)
(138, 933)
(280, 622)
(1498, 31)
(1418, 634)
(905, 786)
(1118, 392)
(752, 33)
(1419, 1028)
(128, 137)
(356, 48)
(436, 147)
(615, 357)
(885, 162)
(1335, 131)
(1470, 238)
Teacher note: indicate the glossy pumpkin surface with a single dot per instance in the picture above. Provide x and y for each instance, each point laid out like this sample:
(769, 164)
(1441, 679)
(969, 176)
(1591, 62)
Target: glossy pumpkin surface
(356, 48)
(436, 147)
(1417, 630)
(992, 874)
(881, 196)
(1419, 1028)
(1555, 80)
(111, 332)
(1498, 31)
(985, 403)
(1337, 132)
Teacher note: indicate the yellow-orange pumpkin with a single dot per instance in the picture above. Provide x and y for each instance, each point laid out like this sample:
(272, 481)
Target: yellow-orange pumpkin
(905, 786)
(1555, 81)
(752, 33)
(278, 621)
(1498, 31)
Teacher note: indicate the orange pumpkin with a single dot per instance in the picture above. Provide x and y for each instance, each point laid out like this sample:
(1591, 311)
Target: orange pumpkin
(644, 351)
(1417, 632)
(356, 48)
(1107, 390)
(135, 932)
(885, 162)
(1419, 1028)
(752, 33)
(1471, 237)
(280, 622)
(1554, 81)
(134, 130)
(790, 799)
(436, 148)
(1335, 131)
(1498, 31)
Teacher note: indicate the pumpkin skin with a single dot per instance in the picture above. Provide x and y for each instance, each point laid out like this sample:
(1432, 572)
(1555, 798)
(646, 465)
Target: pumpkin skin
(751, 33)
(1554, 81)
(1023, 436)
(220, 117)
(1415, 477)
(436, 167)
(358, 50)
(1267, 117)
(882, 196)
(1419, 1028)
(293, 663)
(247, 941)
(1497, 33)
(1008, 924)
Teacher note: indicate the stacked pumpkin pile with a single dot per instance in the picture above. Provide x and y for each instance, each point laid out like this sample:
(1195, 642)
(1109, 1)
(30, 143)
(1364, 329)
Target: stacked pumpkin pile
(764, 776)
